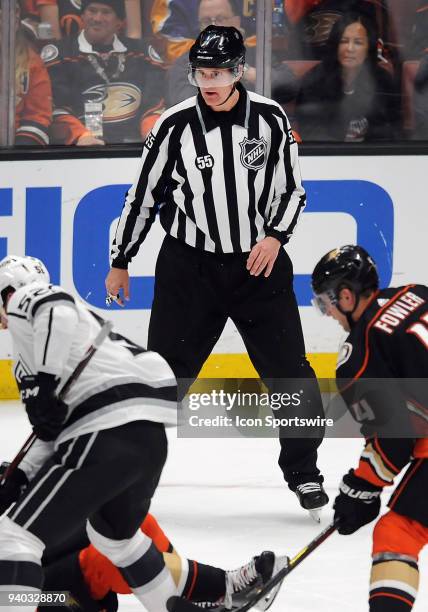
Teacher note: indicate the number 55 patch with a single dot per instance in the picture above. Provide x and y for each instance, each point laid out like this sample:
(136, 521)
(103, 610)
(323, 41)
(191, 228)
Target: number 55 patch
(204, 161)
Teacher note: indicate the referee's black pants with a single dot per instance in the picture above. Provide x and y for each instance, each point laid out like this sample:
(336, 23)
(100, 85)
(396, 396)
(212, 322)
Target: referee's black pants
(196, 292)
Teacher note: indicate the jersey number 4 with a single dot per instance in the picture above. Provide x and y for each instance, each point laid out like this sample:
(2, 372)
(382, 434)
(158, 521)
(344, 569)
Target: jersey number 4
(362, 411)
(420, 329)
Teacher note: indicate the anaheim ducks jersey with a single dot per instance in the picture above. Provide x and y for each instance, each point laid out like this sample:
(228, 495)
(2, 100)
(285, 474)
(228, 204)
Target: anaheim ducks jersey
(382, 374)
(33, 114)
(127, 79)
(123, 382)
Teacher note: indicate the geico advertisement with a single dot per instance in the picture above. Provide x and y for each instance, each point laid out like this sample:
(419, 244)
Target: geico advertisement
(65, 213)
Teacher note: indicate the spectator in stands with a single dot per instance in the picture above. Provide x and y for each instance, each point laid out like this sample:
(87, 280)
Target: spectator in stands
(418, 43)
(226, 13)
(33, 95)
(126, 76)
(64, 17)
(311, 21)
(421, 100)
(348, 96)
(177, 21)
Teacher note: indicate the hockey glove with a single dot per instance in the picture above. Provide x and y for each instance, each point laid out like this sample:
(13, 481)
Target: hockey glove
(46, 412)
(12, 488)
(357, 504)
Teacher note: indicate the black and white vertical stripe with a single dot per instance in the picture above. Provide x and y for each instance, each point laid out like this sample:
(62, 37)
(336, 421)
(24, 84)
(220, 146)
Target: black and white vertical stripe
(231, 203)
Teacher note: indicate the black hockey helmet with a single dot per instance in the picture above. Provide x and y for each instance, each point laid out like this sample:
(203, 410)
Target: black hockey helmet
(347, 266)
(218, 47)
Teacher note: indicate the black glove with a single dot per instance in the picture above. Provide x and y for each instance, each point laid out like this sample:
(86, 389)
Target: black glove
(46, 412)
(12, 488)
(357, 504)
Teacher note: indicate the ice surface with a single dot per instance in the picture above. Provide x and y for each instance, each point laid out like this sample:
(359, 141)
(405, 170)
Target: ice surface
(222, 501)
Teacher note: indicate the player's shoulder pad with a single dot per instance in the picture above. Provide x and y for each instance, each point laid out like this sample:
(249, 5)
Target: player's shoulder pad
(27, 300)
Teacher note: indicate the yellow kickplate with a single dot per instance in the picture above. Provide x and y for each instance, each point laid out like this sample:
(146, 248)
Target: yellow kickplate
(218, 365)
(239, 365)
(8, 388)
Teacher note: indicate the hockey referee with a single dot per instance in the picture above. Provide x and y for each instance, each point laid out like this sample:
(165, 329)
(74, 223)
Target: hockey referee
(221, 168)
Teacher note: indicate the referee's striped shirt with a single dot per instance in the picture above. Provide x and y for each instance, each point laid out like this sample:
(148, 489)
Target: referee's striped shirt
(221, 181)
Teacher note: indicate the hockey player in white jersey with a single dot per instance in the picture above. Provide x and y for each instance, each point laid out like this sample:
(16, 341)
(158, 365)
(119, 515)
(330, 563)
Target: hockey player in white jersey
(98, 457)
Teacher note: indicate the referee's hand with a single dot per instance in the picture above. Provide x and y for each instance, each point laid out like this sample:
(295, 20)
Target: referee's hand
(263, 256)
(118, 279)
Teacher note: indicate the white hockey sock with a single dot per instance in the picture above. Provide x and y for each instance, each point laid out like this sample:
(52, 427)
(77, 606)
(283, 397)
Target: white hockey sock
(142, 566)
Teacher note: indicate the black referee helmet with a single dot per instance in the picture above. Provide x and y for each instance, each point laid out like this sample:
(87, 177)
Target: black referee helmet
(218, 47)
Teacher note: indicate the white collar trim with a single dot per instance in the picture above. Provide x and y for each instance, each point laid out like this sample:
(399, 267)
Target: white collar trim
(86, 47)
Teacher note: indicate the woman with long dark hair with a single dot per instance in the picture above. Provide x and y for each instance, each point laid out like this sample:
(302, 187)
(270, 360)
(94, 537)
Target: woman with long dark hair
(349, 96)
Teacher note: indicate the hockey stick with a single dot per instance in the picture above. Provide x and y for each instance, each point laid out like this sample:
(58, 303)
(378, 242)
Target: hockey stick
(279, 576)
(106, 328)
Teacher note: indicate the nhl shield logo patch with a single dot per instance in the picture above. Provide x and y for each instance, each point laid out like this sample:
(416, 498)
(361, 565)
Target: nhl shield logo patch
(253, 153)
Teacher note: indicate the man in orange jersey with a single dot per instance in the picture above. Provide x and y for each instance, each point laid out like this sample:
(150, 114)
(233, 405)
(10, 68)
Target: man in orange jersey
(381, 374)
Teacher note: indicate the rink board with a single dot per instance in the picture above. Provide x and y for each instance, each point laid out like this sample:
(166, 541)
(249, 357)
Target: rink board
(222, 501)
(65, 212)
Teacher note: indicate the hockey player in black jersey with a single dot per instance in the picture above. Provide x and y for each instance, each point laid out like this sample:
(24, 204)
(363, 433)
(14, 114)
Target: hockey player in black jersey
(382, 375)
(98, 458)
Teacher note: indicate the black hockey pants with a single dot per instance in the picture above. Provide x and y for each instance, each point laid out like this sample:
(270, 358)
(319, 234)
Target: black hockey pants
(108, 476)
(196, 292)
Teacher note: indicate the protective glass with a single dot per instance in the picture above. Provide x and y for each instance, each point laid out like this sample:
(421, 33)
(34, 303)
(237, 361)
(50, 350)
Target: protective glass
(214, 77)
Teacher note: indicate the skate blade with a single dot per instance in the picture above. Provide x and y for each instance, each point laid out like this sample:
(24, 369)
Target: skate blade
(268, 600)
(315, 514)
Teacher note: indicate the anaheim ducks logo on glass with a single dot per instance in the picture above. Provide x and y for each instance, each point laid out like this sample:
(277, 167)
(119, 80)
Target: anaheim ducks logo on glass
(319, 26)
(253, 153)
(121, 101)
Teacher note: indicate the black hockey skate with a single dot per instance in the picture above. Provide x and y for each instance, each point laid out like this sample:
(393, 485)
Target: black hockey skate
(312, 497)
(241, 586)
(244, 582)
